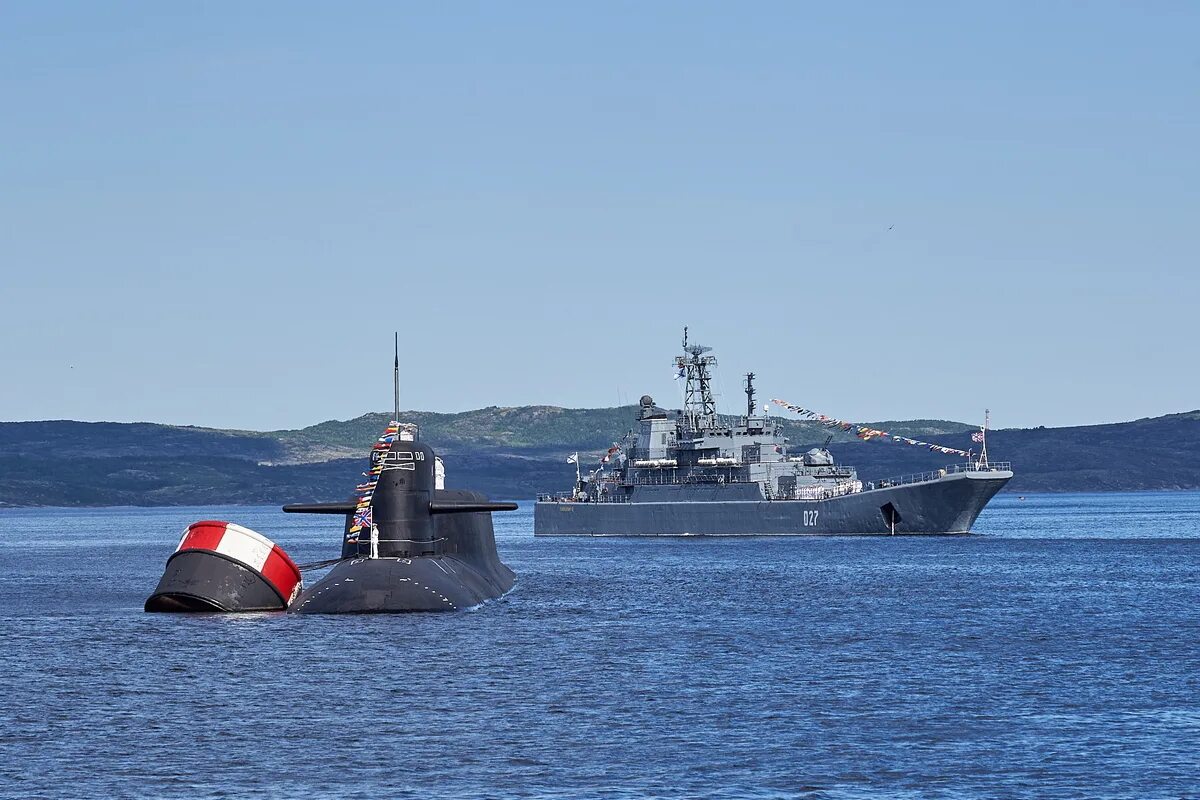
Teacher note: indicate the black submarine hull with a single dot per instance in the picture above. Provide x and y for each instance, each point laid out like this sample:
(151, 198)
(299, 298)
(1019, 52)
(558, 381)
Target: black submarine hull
(463, 572)
(393, 585)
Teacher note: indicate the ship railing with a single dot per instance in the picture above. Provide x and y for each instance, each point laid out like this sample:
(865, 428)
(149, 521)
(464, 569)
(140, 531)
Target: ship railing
(933, 475)
(566, 498)
(810, 492)
(662, 479)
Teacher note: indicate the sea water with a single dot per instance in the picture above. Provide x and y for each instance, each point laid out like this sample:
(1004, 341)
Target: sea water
(1055, 654)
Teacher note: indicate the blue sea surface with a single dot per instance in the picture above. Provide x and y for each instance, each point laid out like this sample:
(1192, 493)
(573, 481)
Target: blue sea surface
(1056, 654)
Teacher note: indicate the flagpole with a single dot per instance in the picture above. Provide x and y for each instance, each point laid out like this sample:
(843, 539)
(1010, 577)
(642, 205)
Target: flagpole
(987, 414)
(396, 380)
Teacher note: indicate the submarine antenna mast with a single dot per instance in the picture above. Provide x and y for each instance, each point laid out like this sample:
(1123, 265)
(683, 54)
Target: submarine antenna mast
(396, 378)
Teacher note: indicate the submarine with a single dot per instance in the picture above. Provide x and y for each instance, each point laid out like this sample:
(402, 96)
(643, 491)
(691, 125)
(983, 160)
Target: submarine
(417, 547)
(408, 545)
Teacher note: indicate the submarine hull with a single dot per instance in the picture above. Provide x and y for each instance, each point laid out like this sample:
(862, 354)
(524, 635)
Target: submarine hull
(392, 585)
(943, 506)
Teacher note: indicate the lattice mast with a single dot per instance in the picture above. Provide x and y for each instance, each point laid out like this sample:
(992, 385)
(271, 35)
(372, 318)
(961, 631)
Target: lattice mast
(699, 405)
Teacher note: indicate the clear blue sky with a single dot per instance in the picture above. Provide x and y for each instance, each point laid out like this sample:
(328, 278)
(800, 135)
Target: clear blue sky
(217, 213)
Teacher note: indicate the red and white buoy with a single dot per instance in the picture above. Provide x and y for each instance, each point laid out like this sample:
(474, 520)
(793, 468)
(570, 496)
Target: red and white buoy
(220, 566)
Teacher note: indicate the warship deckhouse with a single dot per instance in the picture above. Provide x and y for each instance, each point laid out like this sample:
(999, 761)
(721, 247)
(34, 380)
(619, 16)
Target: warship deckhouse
(693, 471)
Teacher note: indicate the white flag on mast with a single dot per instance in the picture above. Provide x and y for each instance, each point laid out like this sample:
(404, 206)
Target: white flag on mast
(573, 458)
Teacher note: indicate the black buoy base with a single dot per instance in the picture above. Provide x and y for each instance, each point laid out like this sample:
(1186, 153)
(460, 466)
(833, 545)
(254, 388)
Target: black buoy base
(200, 580)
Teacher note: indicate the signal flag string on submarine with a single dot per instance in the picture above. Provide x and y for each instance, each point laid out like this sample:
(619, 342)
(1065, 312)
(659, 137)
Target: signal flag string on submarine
(864, 432)
(366, 490)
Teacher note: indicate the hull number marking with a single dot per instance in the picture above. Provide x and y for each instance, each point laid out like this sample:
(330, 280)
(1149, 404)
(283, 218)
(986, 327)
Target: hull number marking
(810, 517)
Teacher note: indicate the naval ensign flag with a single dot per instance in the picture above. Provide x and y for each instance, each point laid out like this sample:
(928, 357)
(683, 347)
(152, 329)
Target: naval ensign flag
(574, 459)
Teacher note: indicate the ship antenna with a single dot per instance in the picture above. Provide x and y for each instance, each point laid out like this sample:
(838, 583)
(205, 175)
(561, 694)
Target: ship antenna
(749, 395)
(396, 379)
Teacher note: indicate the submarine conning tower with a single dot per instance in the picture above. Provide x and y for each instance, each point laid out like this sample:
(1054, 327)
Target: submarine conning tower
(404, 500)
(401, 509)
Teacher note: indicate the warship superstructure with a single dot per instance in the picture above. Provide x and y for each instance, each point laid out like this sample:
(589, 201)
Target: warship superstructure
(690, 472)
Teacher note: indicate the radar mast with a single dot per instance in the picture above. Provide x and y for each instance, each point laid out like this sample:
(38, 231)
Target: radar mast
(699, 406)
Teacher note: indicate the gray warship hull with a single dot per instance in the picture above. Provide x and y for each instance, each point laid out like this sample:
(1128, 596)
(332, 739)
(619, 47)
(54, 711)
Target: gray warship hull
(943, 505)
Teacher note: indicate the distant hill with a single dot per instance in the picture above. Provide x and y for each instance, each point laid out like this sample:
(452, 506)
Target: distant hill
(517, 452)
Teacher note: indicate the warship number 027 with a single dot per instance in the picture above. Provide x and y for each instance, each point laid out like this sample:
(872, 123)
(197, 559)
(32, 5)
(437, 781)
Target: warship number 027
(687, 473)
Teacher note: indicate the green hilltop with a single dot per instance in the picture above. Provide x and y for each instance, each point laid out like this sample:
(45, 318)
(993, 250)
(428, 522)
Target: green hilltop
(518, 452)
(536, 428)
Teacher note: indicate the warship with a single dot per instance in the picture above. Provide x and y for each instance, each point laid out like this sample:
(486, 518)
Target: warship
(408, 544)
(692, 473)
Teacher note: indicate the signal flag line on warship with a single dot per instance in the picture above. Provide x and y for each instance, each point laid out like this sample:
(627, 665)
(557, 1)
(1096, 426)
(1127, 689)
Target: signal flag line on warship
(866, 434)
